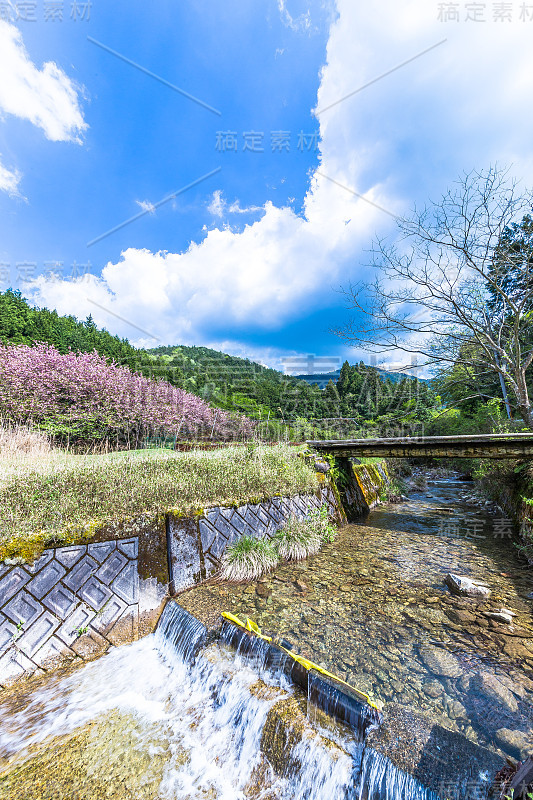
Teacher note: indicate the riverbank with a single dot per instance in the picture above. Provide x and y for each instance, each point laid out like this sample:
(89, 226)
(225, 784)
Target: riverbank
(505, 490)
(57, 497)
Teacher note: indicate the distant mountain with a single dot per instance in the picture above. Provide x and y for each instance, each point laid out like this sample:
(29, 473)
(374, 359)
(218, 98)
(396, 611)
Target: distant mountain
(321, 379)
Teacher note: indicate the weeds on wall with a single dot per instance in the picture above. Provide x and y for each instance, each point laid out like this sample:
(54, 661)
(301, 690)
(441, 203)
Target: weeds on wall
(250, 558)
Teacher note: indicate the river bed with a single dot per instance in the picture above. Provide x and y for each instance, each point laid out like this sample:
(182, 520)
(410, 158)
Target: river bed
(372, 608)
(145, 722)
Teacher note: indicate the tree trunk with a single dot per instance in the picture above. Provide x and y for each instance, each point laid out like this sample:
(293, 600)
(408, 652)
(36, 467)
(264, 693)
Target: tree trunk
(523, 401)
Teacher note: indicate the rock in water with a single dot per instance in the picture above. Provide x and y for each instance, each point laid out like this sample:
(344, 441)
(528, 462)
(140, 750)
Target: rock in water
(460, 616)
(440, 662)
(460, 584)
(488, 685)
(514, 742)
(503, 615)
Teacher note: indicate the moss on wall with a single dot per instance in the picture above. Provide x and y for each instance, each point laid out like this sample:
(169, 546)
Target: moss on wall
(359, 486)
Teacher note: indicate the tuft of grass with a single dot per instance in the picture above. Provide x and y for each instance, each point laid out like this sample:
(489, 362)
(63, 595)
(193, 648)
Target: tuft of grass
(62, 492)
(300, 538)
(248, 559)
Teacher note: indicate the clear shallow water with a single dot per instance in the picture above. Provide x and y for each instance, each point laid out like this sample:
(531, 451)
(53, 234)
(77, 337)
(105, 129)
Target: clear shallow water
(372, 607)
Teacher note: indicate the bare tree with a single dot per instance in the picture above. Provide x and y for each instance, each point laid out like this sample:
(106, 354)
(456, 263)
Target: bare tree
(455, 288)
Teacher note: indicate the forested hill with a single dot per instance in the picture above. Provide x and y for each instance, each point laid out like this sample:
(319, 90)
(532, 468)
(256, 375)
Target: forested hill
(362, 393)
(229, 382)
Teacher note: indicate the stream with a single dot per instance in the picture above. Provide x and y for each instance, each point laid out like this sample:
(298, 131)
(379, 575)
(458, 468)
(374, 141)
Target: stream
(179, 716)
(373, 609)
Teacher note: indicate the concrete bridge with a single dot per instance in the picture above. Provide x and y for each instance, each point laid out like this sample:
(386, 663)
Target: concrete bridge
(499, 445)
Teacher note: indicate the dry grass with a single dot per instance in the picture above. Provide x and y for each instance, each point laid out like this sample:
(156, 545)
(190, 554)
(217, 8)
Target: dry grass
(23, 441)
(54, 491)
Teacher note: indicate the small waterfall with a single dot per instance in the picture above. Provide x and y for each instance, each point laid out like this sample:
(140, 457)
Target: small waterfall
(380, 779)
(197, 717)
(262, 655)
(342, 704)
(321, 776)
(181, 631)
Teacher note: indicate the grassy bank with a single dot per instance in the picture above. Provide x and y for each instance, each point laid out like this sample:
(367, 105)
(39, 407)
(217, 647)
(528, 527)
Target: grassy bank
(55, 496)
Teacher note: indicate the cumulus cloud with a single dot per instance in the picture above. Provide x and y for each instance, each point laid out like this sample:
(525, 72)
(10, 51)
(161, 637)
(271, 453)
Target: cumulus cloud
(403, 138)
(9, 181)
(46, 97)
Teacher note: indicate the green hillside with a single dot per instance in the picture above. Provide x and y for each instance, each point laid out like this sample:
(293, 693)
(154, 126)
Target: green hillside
(363, 397)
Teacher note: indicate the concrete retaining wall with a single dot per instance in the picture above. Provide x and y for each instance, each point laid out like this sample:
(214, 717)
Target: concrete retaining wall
(197, 545)
(75, 602)
(360, 486)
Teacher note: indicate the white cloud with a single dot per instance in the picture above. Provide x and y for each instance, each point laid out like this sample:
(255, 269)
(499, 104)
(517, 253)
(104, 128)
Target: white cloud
(9, 181)
(405, 137)
(235, 208)
(219, 206)
(46, 97)
(146, 205)
(300, 23)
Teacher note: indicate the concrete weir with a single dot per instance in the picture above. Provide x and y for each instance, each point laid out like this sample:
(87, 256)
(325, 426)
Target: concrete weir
(397, 755)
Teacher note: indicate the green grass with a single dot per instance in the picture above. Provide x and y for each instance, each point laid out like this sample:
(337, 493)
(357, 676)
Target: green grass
(300, 538)
(248, 559)
(53, 495)
(297, 539)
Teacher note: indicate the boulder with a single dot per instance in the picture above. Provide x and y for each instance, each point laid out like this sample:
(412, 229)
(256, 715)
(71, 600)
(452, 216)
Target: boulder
(515, 743)
(460, 584)
(488, 685)
(440, 662)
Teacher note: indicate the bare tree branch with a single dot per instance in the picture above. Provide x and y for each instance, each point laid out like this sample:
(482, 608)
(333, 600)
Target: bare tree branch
(455, 289)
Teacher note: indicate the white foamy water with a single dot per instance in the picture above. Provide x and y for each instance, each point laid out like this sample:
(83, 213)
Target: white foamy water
(204, 713)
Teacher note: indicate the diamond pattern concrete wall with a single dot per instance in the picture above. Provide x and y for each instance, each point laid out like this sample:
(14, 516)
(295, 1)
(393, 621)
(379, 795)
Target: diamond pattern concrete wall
(197, 549)
(50, 610)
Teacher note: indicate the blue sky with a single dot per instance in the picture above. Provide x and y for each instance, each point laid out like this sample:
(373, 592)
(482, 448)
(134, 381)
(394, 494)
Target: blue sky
(250, 259)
